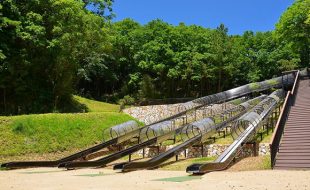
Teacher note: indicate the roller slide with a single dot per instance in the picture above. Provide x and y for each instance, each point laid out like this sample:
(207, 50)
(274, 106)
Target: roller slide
(129, 166)
(243, 131)
(109, 158)
(30, 164)
(224, 160)
(158, 159)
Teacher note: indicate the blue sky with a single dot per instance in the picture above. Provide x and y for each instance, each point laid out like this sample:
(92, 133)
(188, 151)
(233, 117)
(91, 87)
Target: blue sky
(238, 15)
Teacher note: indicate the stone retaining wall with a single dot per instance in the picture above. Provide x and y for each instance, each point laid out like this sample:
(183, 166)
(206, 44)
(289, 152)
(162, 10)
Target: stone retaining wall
(212, 150)
(150, 114)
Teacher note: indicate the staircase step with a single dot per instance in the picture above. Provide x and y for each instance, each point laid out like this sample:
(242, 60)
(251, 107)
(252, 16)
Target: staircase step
(296, 147)
(299, 114)
(296, 137)
(293, 145)
(292, 129)
(298, 122)
(292, 157)
(300, 106)
(289, 135)
(295, 151)
(294, 162)
(292, 166)
(294, 154)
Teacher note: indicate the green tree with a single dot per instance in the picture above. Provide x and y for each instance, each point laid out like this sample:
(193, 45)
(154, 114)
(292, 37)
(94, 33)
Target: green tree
(294, 28)
(43, 44)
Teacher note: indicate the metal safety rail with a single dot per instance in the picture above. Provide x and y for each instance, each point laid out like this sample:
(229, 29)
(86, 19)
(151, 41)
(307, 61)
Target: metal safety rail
(196, 132)
(243, 131)
(119, 133)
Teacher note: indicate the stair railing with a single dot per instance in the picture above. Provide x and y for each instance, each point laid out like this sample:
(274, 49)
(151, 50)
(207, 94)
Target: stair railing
(279, 128)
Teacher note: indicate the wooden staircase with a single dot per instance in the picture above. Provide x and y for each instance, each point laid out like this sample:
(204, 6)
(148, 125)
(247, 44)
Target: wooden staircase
(294, 149)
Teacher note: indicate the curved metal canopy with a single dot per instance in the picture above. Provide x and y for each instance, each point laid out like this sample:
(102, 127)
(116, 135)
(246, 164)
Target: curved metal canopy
(257, 114)
(121, 129)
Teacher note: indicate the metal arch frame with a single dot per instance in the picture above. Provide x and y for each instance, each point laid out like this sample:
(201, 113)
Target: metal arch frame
(253, 123)
(228, 114)
(257, 114)
(237, 92)
(121, 129)
(156, 130)
(202, 126)
(229, 95)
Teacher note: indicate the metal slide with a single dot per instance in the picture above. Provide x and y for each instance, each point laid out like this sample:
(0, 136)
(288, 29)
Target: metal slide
(278, 82)
(286, 80)
(119, 133)
(243, 131)
(196, 132)
(153, 134)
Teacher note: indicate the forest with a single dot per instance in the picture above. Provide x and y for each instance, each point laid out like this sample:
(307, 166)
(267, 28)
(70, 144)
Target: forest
(51, 50)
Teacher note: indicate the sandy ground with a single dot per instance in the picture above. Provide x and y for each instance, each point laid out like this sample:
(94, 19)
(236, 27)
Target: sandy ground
(84, 179)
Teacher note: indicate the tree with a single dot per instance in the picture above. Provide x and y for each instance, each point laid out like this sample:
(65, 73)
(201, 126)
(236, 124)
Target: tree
(43, 44)
(294, 28)
(101, 7)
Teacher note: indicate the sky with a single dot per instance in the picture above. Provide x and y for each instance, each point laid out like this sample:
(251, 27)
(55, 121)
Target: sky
(239, 15)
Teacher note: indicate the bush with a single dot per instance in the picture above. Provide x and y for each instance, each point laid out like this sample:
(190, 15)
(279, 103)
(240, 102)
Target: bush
(127, 100)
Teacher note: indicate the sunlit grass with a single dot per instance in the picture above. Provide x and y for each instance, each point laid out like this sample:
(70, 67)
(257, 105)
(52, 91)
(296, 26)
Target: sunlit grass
(181, 165)
(46, 133)
(97, 106)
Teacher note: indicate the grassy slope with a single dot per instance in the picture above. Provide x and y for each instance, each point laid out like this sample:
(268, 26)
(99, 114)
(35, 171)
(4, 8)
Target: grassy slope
(55, 132)
(96, 106)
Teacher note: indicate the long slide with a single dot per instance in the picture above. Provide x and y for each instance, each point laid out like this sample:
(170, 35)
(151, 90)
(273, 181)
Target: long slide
(286, 80)
(131, 128)
(206, 127)
(243, 131)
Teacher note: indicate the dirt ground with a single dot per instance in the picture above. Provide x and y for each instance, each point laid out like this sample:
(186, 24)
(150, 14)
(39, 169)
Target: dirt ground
(56, 179)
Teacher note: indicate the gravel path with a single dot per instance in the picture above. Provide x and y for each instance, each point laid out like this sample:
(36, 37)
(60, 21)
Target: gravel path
(55, 179)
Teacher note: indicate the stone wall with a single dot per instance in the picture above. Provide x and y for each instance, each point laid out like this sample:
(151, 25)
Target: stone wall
(212, 150)
(264, 149)
(150, 114)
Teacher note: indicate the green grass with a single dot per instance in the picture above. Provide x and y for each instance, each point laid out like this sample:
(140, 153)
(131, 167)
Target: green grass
(54, 132)
(236, 101)
(179, 178)
(182, 164)
(254, 86)
(266, 162)
(272, 82)
(96, 106)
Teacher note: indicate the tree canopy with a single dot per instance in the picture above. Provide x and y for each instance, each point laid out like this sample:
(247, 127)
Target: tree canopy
(51, 49)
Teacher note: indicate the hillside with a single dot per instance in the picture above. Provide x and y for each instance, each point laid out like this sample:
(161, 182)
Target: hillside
(96, 106)
(55, 132)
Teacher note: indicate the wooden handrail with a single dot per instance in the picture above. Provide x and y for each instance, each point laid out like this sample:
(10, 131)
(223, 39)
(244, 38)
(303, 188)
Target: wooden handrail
(279, 128)
(280, 116)
(295, 82)
(291, 71)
